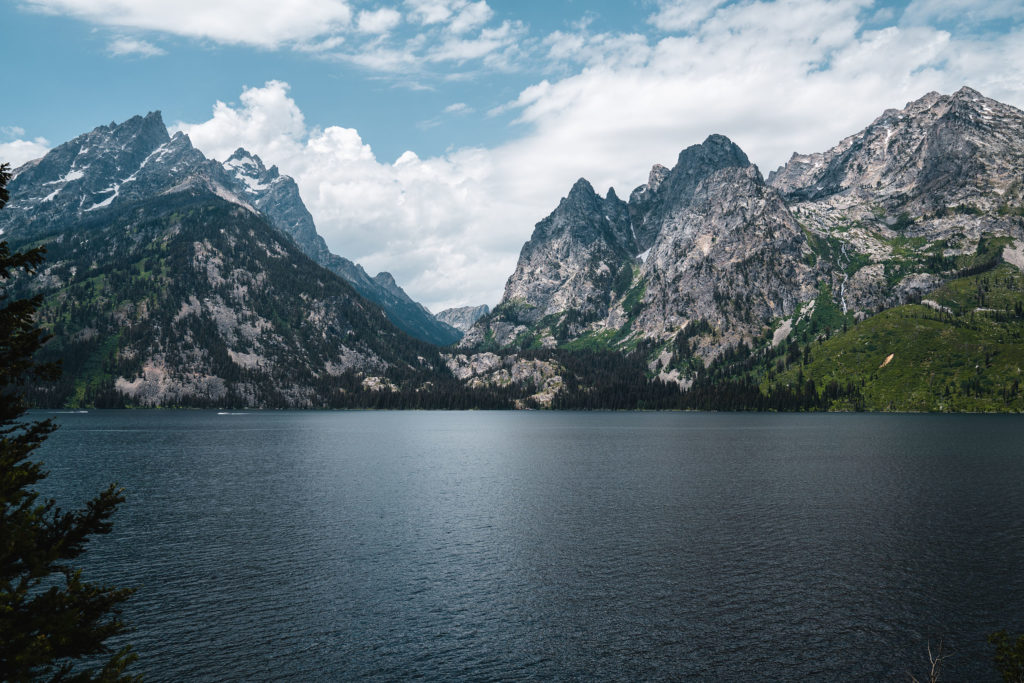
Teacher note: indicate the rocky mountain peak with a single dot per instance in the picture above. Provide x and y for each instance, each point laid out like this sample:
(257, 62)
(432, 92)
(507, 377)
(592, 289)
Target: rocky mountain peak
(386, 280)
(81, 175)
(582, 191)
(656, 177)
(253, 178)
(967, 92)
(463, 317)
(717, 151)
(938, 151)
(668, 191)
(568, 264)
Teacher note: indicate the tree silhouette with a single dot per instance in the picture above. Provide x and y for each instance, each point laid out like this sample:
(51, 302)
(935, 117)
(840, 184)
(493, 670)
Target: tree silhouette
(53, 624)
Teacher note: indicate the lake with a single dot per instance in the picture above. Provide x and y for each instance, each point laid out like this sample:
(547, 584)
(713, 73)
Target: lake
(508, 545)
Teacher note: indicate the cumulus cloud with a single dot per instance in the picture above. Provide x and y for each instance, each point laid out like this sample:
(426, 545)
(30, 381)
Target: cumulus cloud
(775, 76)
(472, 16)
(425, 220)
(378, 21)
(17, 152)
(122, 47)
(264, 23)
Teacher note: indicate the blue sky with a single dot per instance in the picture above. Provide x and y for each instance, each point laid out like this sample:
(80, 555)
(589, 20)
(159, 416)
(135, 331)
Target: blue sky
(67, 78)
(428, 136)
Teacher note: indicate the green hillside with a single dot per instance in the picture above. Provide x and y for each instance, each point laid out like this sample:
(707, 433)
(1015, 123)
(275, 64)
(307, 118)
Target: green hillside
(960, 350)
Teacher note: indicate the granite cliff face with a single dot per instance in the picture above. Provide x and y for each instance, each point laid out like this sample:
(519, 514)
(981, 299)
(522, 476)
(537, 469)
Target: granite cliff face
(464, 317)
(895, 207)
(939, 151)
(730, 254)
(709, 251)
(118, 164)
(707, 240)
(571, 263)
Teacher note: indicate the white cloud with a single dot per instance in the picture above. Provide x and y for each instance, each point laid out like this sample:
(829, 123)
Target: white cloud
(432, 11)
(776, 77)
(472, 16)
(603, 49)
(424, 220)
(488, 42)
(264, 23)
(437, 32)
(17, 152)
(122, 47)
(378, 21)
(963, 11)
(683, 15)
(458, 108)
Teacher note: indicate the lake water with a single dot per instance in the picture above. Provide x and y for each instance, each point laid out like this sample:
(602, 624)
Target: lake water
(378, 545)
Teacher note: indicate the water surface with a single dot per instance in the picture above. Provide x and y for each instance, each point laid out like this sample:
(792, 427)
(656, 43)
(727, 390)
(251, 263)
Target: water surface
(340, 545)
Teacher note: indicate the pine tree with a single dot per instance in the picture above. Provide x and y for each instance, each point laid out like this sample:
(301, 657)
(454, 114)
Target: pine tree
(53, 624)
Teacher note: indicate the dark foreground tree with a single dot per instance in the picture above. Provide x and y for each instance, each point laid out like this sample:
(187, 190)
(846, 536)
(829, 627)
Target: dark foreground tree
(1009, 656)
(53, 624)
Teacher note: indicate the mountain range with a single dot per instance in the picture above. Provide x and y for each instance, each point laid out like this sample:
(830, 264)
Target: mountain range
(884, 273)
(120, 163)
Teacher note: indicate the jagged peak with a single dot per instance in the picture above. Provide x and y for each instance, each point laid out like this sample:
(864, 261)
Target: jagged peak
(179, 141)
(242, 157)
(717, 150)
(153, 121)
(582, 187)
(967, 92)
(656, 176)
(611, 195)
(244, 162)
(386, 279)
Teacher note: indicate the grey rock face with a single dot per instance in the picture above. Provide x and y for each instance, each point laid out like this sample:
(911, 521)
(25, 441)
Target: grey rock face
(714, 242)
(277, 197)
(464, 317)
(940, 173)
(666, 190)
(481, 370)
(641, 201)
(571, 263)
(938, 151)
(729, 253)
(573, 256)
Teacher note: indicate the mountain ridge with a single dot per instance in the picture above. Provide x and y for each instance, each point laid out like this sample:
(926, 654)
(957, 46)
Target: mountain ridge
(723, 259)
(119, 163)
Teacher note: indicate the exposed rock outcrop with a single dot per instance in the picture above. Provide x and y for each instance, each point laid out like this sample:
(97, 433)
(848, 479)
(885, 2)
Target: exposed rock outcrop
(463, 317)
